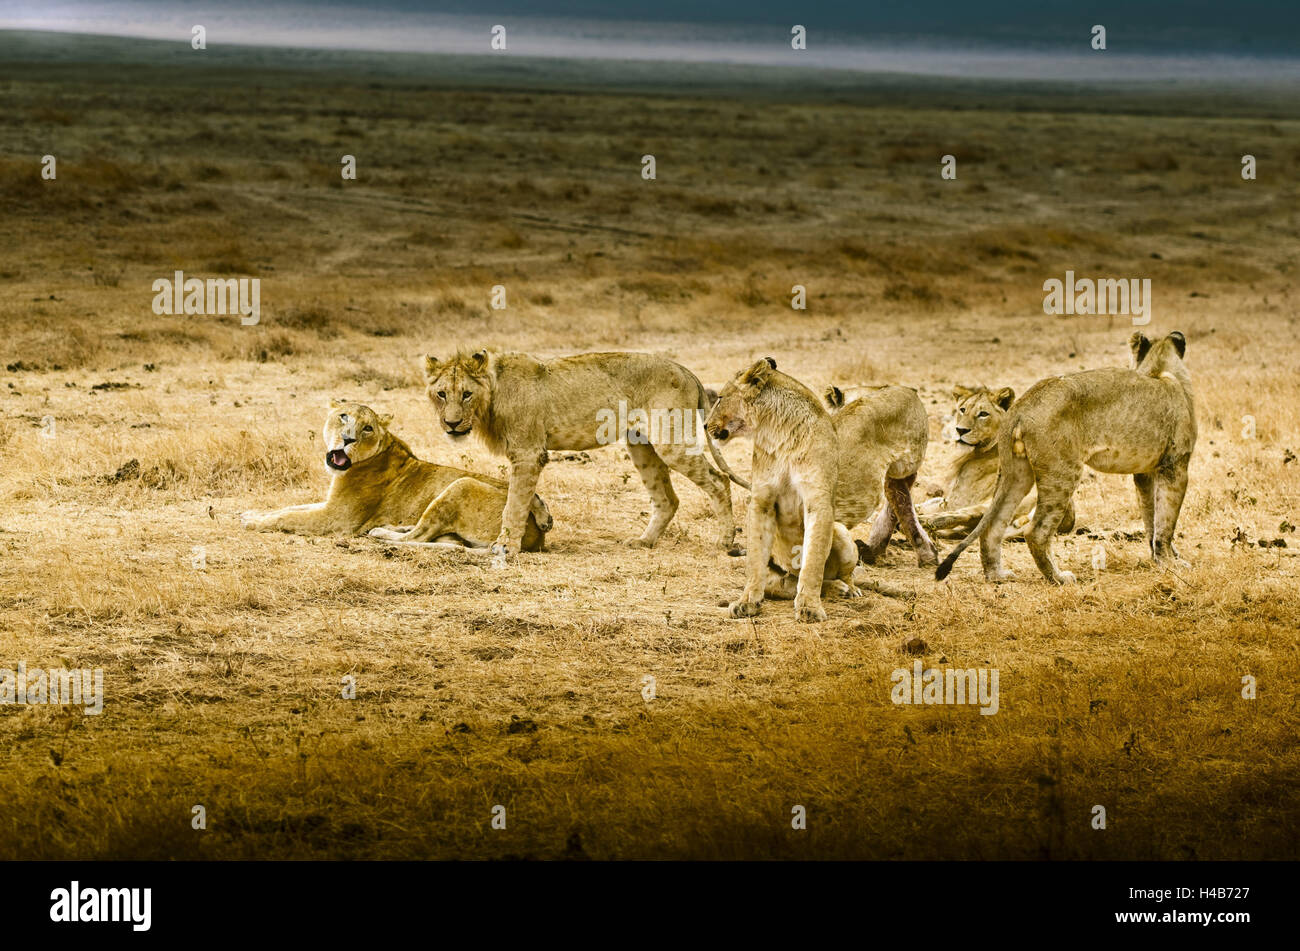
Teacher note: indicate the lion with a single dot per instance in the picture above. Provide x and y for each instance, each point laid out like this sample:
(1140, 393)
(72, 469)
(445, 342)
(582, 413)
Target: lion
(1137, 421)
(792, 516)
(969, 483)
(882, 439)
(377, 481)
(521, 407)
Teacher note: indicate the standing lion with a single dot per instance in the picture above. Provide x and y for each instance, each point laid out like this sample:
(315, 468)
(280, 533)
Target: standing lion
(1139, 421)
(521, 407)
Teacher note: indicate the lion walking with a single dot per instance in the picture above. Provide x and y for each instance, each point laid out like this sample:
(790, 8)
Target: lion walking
(521, 407)
(1138, 421)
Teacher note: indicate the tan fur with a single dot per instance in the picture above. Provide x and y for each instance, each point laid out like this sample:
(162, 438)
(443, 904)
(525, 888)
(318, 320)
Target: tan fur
(969, 483)
(882, 437)
(1139, 421)
(792, 498)
(384, 484)
(521, 407)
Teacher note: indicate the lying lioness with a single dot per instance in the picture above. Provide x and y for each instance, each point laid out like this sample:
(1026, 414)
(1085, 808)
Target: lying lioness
(977, 419)
(377, 481)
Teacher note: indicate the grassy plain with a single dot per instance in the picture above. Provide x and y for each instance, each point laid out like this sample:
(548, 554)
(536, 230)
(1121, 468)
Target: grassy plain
(522, 686)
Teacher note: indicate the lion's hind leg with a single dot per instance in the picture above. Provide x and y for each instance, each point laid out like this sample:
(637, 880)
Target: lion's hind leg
(781, 584)
(659, 483)
(878, 539)
(1054, 494)
(714, 484)
(1014, 482)
(466, 514)
(898, 493)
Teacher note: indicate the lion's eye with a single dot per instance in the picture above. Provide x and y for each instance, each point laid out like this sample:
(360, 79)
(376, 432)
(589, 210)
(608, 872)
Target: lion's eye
(982, 414)
(442, 395)
(464, 397)
(368, 429)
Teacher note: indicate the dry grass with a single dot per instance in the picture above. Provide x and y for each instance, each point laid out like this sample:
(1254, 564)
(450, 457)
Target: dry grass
(522, 686)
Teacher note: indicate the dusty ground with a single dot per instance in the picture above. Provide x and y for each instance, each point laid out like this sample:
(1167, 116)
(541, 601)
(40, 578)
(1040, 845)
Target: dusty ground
(523, 686)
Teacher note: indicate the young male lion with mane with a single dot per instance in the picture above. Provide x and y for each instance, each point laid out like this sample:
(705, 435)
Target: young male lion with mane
(520, 407)
(377, 481)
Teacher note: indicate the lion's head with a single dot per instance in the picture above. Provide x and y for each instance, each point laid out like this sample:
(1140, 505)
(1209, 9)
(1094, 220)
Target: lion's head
(730, 415)
(978, 415)
(1156, 357)
(353, 433)
(460, 389)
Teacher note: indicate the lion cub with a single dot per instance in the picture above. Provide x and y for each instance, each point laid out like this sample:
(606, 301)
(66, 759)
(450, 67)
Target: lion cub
(791, 517)
(1138, 421)
(376, 480)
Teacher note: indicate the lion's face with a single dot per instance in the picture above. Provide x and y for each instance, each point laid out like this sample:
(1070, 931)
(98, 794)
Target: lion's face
(353, 433)
(459, 392)
(730, 414)
(978, 416)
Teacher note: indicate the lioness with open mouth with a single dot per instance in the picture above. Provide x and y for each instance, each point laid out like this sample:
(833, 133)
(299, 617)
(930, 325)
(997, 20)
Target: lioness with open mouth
(377, 481)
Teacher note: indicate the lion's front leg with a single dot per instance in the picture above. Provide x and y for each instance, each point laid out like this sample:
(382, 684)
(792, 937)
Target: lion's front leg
(819, 531)
(760, 532)
(307, 519)
(525, 470)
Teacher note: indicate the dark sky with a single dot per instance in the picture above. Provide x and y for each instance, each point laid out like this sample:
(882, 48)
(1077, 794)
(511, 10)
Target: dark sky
(1239, 25)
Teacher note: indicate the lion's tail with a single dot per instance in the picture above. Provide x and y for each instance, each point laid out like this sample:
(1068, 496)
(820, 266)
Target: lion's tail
(977, 532)
(704, 406)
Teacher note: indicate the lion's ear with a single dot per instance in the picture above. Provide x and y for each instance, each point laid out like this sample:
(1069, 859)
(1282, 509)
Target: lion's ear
(385, 419)
(479, 359)
(760, 372)
(1139, 345)
(431, 364)
(1179, 342)
(960, 392)
(834, 397)
(335, 404)
(1005, 397)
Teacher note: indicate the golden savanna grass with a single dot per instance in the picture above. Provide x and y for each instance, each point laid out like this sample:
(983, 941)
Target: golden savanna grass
(523, 686)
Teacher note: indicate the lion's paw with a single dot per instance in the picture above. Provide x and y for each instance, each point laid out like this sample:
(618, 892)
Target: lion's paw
(743, 608)
(809, 613)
